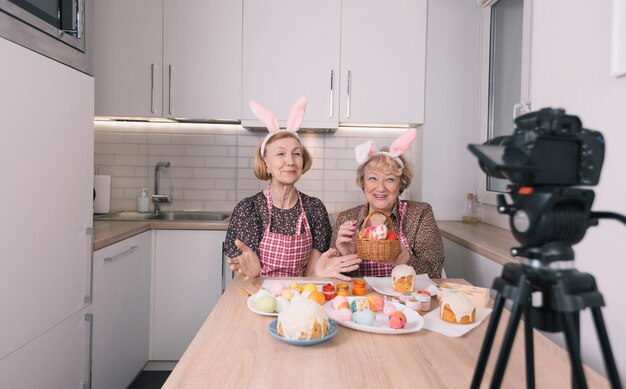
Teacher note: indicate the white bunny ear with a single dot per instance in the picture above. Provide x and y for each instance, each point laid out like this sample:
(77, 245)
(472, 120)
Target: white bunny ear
(296, 115)
(265, 115)
(364, 151)
(402, 143)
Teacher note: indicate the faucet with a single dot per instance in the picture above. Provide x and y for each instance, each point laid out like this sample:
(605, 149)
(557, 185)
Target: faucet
(156, 197)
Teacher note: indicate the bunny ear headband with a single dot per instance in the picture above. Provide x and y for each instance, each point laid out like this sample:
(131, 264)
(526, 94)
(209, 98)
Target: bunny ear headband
(367, 150)
(296, 116)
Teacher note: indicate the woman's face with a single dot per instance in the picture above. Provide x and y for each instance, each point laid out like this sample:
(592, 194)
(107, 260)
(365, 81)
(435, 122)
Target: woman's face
(284, 160)
(381, 188)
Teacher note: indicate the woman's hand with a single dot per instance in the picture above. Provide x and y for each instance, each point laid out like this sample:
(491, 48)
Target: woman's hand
(328, 265)
(345, 238)
(247, 264)
(403, 257)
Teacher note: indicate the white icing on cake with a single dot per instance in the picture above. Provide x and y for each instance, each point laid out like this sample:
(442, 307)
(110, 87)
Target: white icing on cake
(300, 317)
(402, 271)
(459, 304)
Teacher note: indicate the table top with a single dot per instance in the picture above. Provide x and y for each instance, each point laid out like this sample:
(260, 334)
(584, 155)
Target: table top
(234, 349)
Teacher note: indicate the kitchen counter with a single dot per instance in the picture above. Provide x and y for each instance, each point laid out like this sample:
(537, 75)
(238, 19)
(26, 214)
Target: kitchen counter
(109, 232)
(233, 349)
(492, 242)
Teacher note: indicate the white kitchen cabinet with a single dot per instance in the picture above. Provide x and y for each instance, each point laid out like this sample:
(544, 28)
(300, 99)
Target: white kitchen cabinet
(290, 49)
(128, 57)
(168, 59)
(58, 358)
(121, 311)
(47, 196)
(383, 61)
(187, 284)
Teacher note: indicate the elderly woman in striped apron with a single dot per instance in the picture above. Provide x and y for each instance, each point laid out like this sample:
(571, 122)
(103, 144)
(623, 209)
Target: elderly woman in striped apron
(280, 231)
(383, 176)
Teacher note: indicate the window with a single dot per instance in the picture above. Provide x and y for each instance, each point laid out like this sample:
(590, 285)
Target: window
(505, 75)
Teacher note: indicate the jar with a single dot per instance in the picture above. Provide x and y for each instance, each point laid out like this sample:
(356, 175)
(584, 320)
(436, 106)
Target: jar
(329, 291)
(358, 288)
(413, 304)
(342, 290)
(423, 296)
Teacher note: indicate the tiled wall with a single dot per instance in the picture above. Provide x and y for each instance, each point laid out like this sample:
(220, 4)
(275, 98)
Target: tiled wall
(211, 165)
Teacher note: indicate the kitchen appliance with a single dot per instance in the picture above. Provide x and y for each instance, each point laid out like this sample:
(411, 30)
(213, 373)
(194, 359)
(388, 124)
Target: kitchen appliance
(102, 193)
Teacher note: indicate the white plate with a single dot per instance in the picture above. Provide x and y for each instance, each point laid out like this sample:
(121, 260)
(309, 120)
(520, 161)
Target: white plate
(383, 285)
(250, 304)
(433, 322)
(414, 321)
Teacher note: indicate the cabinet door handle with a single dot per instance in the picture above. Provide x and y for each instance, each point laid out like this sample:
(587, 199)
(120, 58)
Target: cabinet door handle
(120, 254)
(349, 87)
(88, 363)
(87, 299)
(332, 94)
(171, 73)
(152, 68)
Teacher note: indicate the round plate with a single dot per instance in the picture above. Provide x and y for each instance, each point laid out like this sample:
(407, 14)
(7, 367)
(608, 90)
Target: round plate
(415, 322)
(383, 285)
(250, 304)
(333, 328)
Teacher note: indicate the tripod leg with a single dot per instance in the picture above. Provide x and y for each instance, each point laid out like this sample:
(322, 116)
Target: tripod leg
(530, 349)
(522, 297)
(609, 360)
(488, 342)
(571, 339)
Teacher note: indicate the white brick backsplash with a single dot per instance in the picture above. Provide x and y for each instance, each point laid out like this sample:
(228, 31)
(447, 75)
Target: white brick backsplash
(212, 166)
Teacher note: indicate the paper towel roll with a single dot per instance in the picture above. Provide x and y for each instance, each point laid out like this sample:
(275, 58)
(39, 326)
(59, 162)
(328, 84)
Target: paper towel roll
(102, 186)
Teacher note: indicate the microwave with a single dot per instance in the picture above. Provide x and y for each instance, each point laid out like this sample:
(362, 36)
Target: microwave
(59, 29)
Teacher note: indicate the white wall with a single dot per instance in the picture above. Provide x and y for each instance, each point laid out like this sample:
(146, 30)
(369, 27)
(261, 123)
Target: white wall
(452, 57)
(571, 53)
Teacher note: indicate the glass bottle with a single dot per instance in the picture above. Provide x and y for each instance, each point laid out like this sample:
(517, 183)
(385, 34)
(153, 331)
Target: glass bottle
(470, 214)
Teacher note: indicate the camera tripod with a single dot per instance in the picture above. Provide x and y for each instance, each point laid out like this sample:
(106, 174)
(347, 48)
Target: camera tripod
(564, 293)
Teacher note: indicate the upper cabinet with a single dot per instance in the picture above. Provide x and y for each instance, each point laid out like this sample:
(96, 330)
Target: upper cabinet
(168, 59)
(290, 49)
(383, 61)
(358, 61)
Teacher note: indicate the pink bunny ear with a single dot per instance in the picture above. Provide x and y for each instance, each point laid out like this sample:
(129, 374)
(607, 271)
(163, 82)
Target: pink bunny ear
(364, 151)
(402, 143)
(296, 115)
(265, 115)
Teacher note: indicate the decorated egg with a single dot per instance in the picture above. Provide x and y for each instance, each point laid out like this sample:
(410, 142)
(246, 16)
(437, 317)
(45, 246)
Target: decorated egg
(380, 232)
(359, 304)
(340, 302)
(376, 302)
(365, 317)
(277, 288)
(344, 314)
(261, 293)
(397, 320)
(266, 304)
(288, 294)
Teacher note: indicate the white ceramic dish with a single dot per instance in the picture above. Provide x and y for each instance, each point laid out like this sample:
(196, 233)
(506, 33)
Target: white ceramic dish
(250, 304)
(414, 321)
(433, 322)
(383, 285)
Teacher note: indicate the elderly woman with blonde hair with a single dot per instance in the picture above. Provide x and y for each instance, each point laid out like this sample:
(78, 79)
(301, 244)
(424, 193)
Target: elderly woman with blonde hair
(383, 176)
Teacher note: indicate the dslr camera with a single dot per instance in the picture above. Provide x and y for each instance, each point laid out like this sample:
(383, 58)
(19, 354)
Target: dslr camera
(548, 153)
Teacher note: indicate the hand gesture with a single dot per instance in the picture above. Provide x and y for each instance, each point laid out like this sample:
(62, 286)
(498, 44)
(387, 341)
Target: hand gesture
(247, 264)
(345, 238)
(328, 265)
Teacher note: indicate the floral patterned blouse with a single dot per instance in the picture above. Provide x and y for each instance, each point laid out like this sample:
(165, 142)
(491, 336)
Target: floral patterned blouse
(250, 218)
(420, 229)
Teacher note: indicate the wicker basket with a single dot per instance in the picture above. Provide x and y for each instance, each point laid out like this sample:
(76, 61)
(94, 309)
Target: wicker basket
(377, 250)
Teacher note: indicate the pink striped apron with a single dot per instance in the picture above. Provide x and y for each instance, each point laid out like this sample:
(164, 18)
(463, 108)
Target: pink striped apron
(284, 255)
(378, 269)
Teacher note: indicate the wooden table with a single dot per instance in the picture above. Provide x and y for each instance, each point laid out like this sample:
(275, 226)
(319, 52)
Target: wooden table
(233, 349)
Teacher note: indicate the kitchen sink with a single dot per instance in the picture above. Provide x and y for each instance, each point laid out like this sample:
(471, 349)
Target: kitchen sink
(165, 215)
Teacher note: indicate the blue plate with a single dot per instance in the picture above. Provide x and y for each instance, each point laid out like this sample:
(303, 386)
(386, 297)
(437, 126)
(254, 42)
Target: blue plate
(333, 328)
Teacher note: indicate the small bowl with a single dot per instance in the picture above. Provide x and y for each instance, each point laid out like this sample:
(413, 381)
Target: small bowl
(333, 328)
